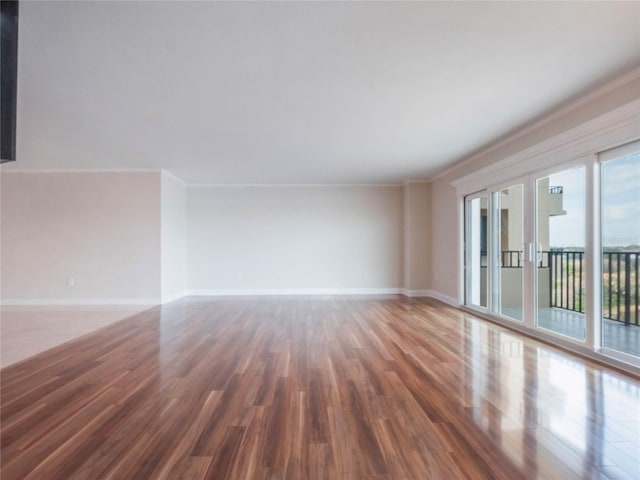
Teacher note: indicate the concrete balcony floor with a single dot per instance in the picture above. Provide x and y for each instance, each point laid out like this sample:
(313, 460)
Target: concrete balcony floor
(615, 335)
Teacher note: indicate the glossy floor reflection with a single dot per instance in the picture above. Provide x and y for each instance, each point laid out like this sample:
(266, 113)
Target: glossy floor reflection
(314, 388)
(28, 330)
(560, 407)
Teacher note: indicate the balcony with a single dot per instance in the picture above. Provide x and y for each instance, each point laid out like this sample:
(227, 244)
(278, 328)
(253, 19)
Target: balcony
(561, 308)
(553, 201)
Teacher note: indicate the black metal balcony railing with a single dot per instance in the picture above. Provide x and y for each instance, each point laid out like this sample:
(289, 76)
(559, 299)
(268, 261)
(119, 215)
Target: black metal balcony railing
(620, 275)
(511, 259)
(620, 279)
(567, 281)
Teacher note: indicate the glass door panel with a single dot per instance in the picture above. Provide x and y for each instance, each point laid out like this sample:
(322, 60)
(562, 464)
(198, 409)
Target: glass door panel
(620, 210)
(507, 252)
(476, 251)
(561, 272)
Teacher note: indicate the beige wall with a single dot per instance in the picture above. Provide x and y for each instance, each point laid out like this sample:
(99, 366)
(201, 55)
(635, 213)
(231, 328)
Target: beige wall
(267, 238)
(444, 238)
(444, 202)
(173, 219)
(107, 237)
(80, 237)
(416, 236)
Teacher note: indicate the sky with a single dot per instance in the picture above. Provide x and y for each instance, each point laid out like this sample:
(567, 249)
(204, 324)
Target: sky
(621, 201)
(620, 205)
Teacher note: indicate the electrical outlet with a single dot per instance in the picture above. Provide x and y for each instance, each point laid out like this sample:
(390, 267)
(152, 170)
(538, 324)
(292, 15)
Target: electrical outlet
(71, 281)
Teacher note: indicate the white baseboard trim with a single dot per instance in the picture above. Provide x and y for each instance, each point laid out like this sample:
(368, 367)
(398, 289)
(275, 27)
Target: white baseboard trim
(174, 296)
(15, 302)
(414, 293)
(218, 292)
(443, 298)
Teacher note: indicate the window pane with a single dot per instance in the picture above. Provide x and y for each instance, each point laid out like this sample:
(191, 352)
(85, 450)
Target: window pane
(620, 204)
(508, 252)
(476, 255)
(560, 245)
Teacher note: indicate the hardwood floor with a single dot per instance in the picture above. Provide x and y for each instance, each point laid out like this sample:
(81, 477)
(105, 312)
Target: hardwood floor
(314, 388)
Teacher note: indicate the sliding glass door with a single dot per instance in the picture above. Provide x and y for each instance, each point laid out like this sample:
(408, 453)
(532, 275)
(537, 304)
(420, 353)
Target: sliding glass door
(508, 253)
(476, 251)
(559, 252)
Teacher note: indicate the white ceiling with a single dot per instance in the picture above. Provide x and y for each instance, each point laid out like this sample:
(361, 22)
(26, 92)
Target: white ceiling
(301, 92)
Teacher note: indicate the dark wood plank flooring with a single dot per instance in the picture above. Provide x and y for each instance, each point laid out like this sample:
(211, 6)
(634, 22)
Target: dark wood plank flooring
(314, 388)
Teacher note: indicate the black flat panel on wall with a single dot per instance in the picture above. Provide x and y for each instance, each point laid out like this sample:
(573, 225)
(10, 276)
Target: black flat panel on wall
(9, 79)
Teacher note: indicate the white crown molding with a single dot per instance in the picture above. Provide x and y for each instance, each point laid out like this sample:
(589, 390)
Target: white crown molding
(416, 182)
(546, 119)
(4, 171)
(174, 177)
(616, 127)
(78, 301)
(294, 185)
(95, 170)
(217, 292)
(79, 170)
(212, 185)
